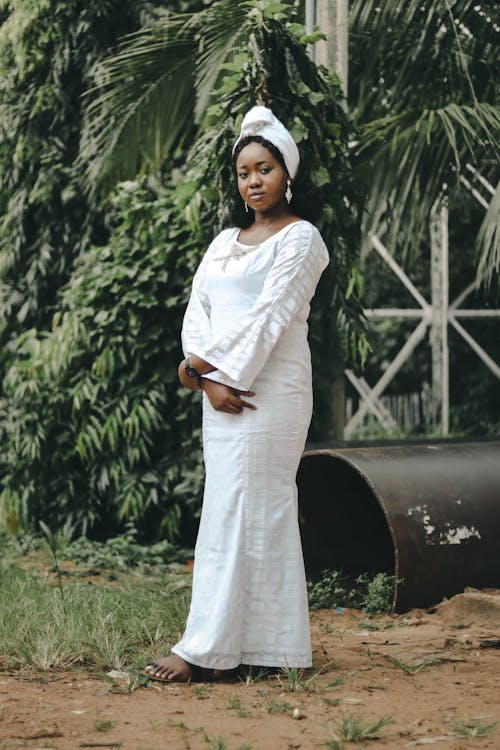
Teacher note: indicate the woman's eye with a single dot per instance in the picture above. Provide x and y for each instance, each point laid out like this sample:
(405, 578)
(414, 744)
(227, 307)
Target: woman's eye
(242, 175)
(265, 170)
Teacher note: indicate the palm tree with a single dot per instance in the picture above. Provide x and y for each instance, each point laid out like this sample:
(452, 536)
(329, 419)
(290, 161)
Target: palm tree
(422, 91)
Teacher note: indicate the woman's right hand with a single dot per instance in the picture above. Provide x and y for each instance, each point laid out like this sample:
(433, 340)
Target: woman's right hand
(226, 399)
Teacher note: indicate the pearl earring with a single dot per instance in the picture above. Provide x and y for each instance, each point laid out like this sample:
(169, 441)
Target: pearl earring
(288, 192)
(246, 207)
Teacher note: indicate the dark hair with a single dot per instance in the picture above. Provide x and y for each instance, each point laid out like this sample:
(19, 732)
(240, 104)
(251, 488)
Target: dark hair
(301, 202)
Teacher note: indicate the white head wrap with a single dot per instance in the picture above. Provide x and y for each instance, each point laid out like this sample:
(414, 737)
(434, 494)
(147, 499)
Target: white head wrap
(261, 121)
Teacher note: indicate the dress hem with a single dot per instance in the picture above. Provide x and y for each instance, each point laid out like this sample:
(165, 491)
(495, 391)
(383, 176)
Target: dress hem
(299, 661)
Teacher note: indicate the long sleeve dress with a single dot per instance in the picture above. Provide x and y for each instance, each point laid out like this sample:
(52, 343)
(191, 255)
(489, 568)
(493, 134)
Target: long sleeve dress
(247, 316)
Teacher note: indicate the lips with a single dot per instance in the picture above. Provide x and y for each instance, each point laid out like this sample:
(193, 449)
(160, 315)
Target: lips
(256, 196)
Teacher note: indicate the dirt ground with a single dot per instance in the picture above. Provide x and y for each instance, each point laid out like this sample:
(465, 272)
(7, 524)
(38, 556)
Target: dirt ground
(429, 671)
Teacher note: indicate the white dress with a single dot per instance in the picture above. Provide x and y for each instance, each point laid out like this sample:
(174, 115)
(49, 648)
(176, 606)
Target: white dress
(247, 316)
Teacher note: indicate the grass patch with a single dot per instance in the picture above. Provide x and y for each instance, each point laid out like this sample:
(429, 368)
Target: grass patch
(234, 704)
(352, 728)
(275, 706)
(294, 679)
(203, 691)
(114, 605)
(250, 674)
(473, 728)
(103, 627)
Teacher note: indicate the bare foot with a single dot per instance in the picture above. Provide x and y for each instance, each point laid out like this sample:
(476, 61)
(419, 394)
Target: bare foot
(169, 669)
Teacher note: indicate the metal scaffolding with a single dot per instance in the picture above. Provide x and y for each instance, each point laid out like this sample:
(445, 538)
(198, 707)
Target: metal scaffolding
(436, 316)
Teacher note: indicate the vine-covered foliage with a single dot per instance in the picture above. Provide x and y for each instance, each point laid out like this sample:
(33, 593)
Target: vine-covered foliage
(47, 50)
(98, 430)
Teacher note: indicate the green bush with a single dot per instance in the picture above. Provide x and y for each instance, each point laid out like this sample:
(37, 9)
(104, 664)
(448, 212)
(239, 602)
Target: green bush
(99, 430)
(336, 589)
(47, 52)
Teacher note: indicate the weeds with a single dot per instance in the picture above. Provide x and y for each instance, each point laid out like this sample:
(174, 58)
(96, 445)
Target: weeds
(123, 553)
(250, 674)
(430, 661)
(351, 728)
(336, 682)
(331, 701)
(373, 627)
(379, 593)
(335, 589)
(203, 691)
(103, 725)
(278, 707)
(52, 542)
(332, 590)
(119, 554)
(295, 679)
(472, 728)
(219, 744)
(183, 729)
(235, 704)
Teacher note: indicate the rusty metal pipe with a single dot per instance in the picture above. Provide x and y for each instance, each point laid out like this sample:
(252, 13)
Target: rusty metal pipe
(428, 514)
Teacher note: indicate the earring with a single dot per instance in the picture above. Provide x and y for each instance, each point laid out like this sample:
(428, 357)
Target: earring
(246, 207)
(288, 191)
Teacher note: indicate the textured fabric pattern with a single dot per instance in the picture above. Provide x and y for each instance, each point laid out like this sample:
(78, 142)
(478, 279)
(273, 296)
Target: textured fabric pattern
(285, 271)
(249, 602)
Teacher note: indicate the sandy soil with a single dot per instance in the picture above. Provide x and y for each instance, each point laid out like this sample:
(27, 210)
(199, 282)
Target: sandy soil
(427, 671)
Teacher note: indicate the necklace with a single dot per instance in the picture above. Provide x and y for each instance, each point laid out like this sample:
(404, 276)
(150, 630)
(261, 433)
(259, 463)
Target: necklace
(236, 251)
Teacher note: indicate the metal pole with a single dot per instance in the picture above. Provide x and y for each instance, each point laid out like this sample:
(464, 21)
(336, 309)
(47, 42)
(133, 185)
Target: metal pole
(439, 325)
(342, 61)
(332, 17)
(310, 23)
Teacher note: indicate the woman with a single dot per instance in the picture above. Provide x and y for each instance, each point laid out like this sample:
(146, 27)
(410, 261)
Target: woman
(245, 341)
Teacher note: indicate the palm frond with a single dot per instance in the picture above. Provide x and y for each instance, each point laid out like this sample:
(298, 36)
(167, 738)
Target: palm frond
(424, 96)
(150, 94)
(223, 25)
(144, 104)
(402, 53)
(488, 241)
(413, 155)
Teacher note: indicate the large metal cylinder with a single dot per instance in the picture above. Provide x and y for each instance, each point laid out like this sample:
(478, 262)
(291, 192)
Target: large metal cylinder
(427, 514)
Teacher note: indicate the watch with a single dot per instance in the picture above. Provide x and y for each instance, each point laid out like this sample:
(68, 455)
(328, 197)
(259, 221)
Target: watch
(190, 370)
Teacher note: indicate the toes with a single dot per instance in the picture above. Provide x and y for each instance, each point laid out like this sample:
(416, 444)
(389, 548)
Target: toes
(172, 669)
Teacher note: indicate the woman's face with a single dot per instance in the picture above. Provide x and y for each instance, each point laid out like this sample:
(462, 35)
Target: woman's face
(261, 178)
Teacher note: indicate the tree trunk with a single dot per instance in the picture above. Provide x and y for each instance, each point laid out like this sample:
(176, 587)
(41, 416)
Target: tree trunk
(332, 17)
(337, 414)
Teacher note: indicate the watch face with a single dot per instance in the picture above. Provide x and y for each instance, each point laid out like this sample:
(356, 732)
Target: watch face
(191, 371)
